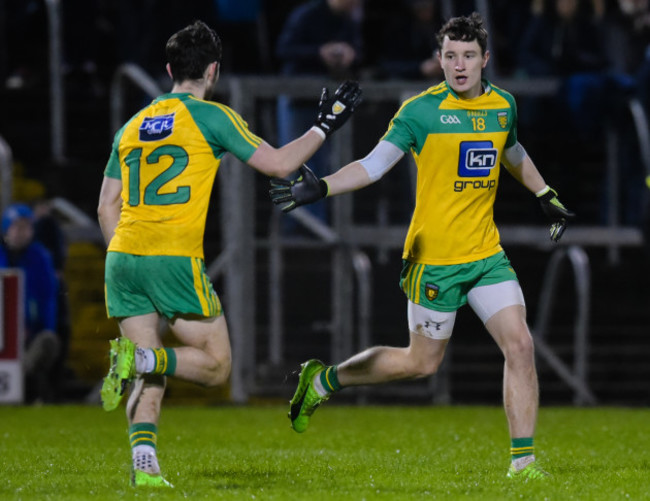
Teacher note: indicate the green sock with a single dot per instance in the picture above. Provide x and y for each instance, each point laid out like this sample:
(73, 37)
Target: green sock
(143, 434)
(330, 380)
(520, 447)
(165, 361)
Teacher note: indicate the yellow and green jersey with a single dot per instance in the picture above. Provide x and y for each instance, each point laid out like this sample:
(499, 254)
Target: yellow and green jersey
(457, 145)
(167, 156)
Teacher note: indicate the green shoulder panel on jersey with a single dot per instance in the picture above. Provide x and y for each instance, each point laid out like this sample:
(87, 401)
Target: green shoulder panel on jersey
(416, 119)
(112, 168)
(512, 136)
(223, 128)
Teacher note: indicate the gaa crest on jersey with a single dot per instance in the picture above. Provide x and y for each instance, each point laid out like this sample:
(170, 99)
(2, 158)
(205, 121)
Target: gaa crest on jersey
(502, 119)
(476, 158)
(431, 291)
(156, 128)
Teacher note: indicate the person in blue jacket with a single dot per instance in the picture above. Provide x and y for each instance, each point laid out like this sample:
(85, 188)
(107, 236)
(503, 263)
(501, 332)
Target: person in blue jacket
(42, 344)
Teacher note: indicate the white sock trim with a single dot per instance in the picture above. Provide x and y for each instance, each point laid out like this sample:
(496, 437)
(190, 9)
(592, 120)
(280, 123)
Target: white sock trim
(318, 386)
(145, 360)
(521, 463)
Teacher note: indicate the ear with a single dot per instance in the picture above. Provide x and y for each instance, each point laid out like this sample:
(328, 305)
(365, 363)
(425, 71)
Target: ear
(169, 71)
(486, 58)
(213, 70)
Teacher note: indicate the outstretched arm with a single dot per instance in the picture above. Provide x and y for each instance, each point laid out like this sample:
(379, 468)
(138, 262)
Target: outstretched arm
(354, 176)
(333, 112)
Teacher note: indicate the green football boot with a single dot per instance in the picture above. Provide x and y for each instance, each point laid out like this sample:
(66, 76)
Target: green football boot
(120, 373)
(532, 471)
(305, 400)
(141, 478)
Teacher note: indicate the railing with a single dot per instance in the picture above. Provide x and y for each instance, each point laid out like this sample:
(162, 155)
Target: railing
(578, 378)
(6, 174)
(128, 74)
(640, 122)
(57, 92)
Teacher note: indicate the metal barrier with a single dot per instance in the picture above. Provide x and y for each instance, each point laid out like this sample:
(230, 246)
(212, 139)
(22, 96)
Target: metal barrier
(6, 174)
(133, 74)
(578, 378)
(57, 93)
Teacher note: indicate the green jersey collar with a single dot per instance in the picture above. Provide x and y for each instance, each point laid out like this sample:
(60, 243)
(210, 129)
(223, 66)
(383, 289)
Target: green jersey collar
(487, 90)
(173, 95)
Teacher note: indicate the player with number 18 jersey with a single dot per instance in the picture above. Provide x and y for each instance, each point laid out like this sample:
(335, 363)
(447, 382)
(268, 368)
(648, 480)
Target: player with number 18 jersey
(457, 146)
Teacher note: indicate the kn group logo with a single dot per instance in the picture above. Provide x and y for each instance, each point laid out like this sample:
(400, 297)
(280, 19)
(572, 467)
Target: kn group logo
(156, 128)
(476, 159)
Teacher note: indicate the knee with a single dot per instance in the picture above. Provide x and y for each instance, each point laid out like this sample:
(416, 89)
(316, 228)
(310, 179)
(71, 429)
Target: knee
(520, 348)
(424, 366)
(219, 370)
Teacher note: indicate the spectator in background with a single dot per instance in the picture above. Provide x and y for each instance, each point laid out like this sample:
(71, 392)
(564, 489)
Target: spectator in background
(19, 250)
(627, 30)
(408, 42)
(321, 38)
(242, 25)
(564, 39)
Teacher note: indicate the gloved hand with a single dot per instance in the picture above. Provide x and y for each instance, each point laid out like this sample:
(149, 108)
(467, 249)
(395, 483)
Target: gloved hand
(306, 189)
(334, 111)
(555, 211)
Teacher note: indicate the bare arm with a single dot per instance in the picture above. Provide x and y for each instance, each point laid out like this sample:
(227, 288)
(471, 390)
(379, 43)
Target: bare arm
(109, 207)
(281, 162)
(527, 174)
(333, 112)
(351, 177)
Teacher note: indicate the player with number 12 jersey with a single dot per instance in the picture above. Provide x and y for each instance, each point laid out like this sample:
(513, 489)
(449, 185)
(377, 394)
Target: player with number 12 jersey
(167, 156)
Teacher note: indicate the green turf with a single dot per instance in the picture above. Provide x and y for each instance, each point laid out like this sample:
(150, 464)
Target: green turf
(348, 453)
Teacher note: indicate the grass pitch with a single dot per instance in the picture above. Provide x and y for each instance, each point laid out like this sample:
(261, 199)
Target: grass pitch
(349, 453)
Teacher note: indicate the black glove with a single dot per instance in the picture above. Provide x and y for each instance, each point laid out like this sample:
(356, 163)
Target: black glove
(306, 189)
(334, 111)
(556, 212)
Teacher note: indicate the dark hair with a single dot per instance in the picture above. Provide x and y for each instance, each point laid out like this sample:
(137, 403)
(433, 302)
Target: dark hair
(465, 29)
(190, 51)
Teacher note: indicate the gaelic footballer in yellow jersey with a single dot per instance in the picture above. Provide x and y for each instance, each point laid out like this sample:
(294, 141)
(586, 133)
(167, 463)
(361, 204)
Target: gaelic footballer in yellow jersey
(152, 212)
(167, 157)
(459, 133)
(457, 146)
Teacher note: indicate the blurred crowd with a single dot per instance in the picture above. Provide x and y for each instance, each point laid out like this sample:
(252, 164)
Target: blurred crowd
(378, 38)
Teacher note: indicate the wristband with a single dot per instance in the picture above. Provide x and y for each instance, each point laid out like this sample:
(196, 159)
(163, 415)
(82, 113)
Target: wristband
(324, 188)
(320, 132)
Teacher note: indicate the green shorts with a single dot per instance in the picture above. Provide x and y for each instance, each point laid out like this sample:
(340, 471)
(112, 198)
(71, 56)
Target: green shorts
(445, 288)
(167, 285)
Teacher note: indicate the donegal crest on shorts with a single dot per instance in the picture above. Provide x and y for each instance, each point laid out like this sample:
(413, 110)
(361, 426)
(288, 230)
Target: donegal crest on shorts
(431, 291)
(156, 128)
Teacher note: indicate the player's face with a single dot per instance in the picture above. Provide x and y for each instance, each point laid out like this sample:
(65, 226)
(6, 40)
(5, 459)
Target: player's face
(462, 64)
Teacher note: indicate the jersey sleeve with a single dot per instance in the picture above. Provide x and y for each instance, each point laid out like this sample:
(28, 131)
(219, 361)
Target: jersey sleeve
(511, 140)
(112, 168)
(400, 132)
(226, 131)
